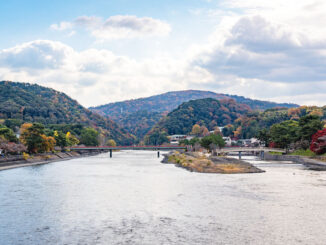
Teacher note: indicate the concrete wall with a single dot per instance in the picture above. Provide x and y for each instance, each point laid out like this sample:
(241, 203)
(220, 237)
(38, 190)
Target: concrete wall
(312, 164)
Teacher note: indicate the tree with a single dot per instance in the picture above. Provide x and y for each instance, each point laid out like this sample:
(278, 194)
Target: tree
(194, 140)
(184, 142)
(13, 124)
(11, 148)
(264, 136)
(48, 143)
(318, 142)
(284, 133)
(207, 141)
(217, 131)
(71, 139)
(89, 137)
(156, 138)
(60, 139)
(8, 134)
(309, 125)
(204, 131)
(23, 129)
(195, 130)
(32, 137)
(111, 142)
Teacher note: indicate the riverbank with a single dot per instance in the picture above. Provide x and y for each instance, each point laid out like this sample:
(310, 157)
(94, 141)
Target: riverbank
(10, 162)
(196, 162)
(310, 163)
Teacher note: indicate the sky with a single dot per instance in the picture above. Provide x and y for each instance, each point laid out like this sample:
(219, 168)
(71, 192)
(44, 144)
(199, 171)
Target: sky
(103, 51)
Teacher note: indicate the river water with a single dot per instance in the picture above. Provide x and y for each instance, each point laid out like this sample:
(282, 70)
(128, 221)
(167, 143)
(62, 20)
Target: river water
(134, 199)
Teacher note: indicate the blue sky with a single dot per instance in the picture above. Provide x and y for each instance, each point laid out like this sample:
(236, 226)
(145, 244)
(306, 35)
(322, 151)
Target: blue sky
(103, 51)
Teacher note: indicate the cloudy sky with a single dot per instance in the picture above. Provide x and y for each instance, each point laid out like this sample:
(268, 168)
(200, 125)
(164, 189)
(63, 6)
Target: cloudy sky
(103, 51)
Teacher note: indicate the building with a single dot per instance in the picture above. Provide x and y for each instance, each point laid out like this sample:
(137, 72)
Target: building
(176, 138)
(228, 141)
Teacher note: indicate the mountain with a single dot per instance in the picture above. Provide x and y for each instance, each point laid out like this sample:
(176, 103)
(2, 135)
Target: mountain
(139, 115)
(249, 125)
(205, 112)
(34, 103)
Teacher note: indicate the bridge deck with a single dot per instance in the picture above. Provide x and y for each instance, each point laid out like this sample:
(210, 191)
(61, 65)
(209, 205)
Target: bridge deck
(249, 149)
(171, 147)
(168, 147)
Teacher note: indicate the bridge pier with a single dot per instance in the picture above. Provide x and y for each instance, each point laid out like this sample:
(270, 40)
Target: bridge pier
(262, 155)
(110, 153)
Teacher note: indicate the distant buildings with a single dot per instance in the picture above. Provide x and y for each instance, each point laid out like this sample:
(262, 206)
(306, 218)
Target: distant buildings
(176, 138)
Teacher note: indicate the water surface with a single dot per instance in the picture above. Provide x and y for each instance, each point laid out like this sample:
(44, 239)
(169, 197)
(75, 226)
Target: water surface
(134, 199)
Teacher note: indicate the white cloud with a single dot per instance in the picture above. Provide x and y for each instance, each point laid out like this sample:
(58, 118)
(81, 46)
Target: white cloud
(62, 26)
(39, 54)
(91, 76)
(256, 48)
(273, 50)
(117, 27)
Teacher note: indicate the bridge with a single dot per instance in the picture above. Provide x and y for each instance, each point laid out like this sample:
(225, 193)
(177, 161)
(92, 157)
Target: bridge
(114, 148)
(239, 150)
(224, 150)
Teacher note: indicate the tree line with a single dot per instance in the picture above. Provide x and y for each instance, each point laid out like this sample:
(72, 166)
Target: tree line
(38, 138)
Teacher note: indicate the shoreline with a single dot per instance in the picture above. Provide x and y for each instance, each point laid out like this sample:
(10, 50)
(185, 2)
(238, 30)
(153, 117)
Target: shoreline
(309, 163)
(41, 159)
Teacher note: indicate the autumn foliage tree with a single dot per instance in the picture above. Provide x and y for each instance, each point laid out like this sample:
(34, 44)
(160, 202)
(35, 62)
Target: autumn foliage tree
(111, 142)
(33, 136)
(318, 142)
(195, 130)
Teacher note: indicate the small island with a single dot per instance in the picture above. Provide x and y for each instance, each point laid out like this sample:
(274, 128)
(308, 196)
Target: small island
(198, 162)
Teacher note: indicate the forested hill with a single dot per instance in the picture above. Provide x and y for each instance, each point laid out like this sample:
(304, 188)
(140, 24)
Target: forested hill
(204, 112)
(168, 101)
(34, 103)
(140, 115)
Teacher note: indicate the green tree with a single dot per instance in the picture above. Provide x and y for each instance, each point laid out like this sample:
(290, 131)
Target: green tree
(309, 125)
(264, 136)
(89, 137)
(156, 138)
(71, 139)
(13, 124)
(61, 139)
(207, 141)
(194, 140)
(8, 134)
(285, 133)
(32, 138)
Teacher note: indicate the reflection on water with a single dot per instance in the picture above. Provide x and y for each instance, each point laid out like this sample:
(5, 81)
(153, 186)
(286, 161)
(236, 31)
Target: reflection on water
(134, 199)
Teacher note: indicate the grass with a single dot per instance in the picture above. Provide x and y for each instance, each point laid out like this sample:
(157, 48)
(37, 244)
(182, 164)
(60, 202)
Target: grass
(306, 153)
(202, 164)
(275, 153)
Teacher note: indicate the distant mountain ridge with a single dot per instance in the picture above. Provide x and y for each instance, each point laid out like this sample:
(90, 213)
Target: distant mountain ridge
(34, 103)
(168, 101)
(127, 113)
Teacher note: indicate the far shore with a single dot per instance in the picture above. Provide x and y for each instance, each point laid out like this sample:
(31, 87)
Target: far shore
(40, 159)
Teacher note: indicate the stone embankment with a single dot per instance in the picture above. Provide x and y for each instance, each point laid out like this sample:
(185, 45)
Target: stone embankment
(196, 162)
(310, 163)
(9, 162)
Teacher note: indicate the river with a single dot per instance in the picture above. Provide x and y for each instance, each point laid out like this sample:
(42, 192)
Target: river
(134, 199)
